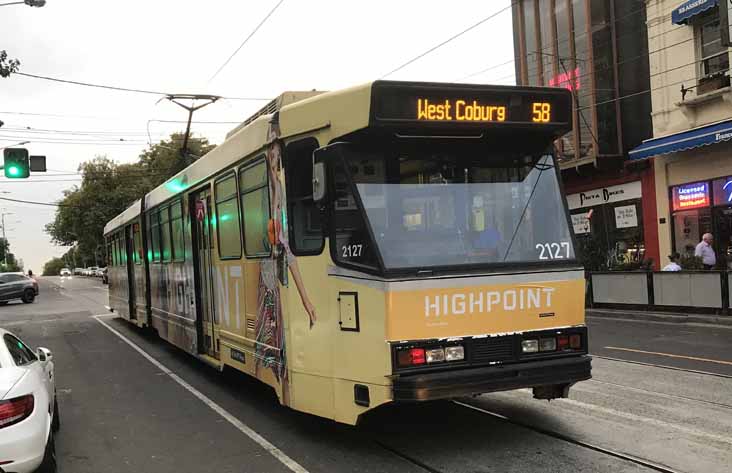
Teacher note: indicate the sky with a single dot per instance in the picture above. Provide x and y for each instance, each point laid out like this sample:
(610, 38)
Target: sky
(176, 46)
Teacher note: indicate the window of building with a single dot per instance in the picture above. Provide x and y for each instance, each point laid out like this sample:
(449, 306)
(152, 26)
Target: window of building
(228, 228)
(713, 57)
(304, 217)
(255, 205)
(176, 223)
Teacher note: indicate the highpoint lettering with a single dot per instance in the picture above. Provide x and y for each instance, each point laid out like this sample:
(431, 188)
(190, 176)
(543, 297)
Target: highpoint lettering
(486, 302)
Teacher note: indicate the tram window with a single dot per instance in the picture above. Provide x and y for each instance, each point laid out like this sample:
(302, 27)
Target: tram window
(155, 236)
(137, 250)
(165, 235)
(352, 240)
(176, 222)
(228, 228)
(255, 205)
(304, 218)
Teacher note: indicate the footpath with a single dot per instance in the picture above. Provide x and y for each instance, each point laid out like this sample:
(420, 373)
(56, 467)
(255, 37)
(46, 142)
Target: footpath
(672, 317)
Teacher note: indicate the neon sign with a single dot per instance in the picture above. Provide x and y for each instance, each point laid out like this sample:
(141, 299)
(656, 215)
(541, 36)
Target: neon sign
(569, 80)
(691, 196)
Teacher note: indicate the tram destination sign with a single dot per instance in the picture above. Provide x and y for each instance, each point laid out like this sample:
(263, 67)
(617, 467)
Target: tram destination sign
(458, 104)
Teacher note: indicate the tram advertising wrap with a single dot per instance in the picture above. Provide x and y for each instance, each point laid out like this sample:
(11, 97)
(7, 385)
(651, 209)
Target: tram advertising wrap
(391, 242)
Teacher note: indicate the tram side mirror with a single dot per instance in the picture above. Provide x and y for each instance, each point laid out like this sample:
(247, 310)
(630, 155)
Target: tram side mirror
(319, 183)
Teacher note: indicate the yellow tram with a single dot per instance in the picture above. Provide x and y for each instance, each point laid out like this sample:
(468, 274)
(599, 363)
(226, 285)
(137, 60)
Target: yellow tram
(394, 241)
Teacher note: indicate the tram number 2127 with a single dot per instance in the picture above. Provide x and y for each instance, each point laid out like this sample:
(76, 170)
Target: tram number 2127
(553, 250)
(352, 251)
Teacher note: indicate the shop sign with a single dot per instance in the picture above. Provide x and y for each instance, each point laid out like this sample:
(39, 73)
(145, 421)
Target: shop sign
(691, 196)
(626, 216)
(581, 223)
(605, 195)
(722, 190)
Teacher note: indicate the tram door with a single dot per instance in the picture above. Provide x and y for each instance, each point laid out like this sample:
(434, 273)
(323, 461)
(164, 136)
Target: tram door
(129, 258)
(203, 248)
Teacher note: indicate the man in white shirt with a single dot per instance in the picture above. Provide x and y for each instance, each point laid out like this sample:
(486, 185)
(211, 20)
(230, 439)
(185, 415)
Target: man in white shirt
(674, 264)
(705, 251)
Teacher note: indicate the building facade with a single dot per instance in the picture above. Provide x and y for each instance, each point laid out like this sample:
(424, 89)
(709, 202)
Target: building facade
(598, 49)
(692, 124)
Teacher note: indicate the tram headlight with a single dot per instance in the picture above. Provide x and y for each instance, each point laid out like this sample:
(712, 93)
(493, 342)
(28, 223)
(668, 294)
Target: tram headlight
(530, 346)
(435, 355)
(455, 353)
(548, 344)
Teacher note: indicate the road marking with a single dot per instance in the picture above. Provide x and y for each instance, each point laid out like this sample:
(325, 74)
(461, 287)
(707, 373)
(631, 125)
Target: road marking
(694, 358)
(246, 430)
(666, 367)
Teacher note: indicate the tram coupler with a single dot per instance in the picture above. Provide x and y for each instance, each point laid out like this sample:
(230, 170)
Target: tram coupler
(552, 391)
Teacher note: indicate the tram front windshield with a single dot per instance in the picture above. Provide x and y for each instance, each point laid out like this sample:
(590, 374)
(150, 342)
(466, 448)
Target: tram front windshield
(426, 206)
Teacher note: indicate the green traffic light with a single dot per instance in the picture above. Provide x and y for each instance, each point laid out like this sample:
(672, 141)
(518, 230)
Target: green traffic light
(14, 171)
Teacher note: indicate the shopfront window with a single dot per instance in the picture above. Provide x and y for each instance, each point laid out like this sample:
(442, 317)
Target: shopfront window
(608, 224)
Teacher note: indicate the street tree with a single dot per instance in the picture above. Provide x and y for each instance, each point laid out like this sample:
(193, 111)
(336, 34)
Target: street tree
(53, 267)
(165, 159)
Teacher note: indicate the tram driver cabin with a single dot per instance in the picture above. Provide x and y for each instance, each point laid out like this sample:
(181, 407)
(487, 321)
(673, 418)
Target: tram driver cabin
(391, 242)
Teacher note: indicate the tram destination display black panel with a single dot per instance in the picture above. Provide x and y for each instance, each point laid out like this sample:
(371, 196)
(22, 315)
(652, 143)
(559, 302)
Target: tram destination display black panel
(470, 105)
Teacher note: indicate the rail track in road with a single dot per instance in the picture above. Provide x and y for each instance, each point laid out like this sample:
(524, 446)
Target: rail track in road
(559, 436)
(654, 365)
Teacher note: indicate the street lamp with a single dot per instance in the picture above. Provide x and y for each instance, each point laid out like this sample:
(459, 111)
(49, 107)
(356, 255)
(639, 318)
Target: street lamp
(30, 3)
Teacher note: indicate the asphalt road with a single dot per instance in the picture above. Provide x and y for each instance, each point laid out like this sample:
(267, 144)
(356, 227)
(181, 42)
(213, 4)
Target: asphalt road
(164, 411)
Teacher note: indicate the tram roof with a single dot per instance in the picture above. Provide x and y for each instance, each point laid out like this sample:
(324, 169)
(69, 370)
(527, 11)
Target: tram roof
(129, 214)
(336, 113)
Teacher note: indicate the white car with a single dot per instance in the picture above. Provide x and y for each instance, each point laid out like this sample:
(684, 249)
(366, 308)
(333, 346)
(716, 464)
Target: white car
(28, 408)
(65, 272)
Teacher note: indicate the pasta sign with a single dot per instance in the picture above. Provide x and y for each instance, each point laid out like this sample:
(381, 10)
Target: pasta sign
(691, 196)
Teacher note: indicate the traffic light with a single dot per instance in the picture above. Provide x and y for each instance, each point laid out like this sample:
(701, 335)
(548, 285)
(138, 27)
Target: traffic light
(16, 163)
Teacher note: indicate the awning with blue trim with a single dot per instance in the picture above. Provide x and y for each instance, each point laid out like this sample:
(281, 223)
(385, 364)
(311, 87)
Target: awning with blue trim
(690, 8)
(702, 136)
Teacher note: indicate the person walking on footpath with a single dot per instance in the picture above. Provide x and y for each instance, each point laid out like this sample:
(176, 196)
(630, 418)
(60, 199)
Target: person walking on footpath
(705, 251)
(674, 264)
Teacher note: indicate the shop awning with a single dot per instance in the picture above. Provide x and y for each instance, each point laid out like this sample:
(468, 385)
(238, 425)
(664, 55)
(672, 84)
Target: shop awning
(690, 8)
(702, 136)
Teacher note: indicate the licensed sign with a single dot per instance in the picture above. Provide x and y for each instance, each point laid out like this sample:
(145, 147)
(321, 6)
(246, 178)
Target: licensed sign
(691, 196)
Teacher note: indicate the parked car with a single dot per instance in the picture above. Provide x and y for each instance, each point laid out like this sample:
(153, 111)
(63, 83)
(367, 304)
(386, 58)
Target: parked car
(17, 286)
(29, 414)
(105, 278)
(99, 272)
(78, 271)
(65, 272)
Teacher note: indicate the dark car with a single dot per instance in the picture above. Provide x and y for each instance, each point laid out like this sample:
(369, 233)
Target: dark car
(17, 286)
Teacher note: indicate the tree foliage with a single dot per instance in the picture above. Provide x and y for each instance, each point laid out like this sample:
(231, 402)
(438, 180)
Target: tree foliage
(7, 66)
(108, 188)
(8, 262)
(53, 267)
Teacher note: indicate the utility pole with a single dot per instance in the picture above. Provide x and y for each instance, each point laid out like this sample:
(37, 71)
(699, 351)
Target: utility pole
(191, 108)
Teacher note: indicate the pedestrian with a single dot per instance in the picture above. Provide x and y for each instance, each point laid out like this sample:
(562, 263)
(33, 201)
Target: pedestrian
(705, 251)
(674, 264)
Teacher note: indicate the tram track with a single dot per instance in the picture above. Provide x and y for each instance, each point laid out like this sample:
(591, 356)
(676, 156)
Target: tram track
(660, 394)
(654, 365)
(565, 438)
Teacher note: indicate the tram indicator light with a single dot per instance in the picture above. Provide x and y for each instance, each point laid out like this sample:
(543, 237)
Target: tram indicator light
(575, 341)
(530, 346)
(562, 342)
(548, 344)
(412, 356)
(455, 353)
(435, 355)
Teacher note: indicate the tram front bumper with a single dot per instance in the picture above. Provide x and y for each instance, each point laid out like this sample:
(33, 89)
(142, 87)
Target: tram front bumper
(465, 382)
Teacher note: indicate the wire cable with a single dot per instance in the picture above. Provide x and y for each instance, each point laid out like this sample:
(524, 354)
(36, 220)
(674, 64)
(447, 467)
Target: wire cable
(450, 39)
(254, 31)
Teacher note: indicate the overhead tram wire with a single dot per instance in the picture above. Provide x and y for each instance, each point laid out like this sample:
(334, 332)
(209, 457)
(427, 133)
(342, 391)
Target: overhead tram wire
(450, 39)
(254, 31)
(122, 89)
(89, 117)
